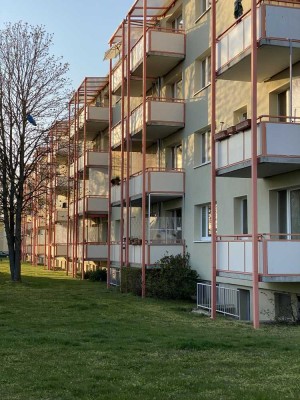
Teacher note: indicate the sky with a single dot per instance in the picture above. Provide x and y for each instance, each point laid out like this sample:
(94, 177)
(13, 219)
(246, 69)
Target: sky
(81, 29)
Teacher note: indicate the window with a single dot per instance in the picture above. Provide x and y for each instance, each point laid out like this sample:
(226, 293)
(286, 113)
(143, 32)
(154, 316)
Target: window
(204, 5)
(205, 72)
(205, 147)
(289, 212)
(177, 156)
(241, 215)
(178, 23)
(283, 104)
(177, 90)
(205, 223)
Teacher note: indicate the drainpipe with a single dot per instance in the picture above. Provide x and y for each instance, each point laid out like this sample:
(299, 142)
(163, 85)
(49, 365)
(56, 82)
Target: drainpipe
(213, 162)
(255, 289)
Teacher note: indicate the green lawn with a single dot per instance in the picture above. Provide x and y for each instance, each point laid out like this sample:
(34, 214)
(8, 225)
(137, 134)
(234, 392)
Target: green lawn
(67, 339)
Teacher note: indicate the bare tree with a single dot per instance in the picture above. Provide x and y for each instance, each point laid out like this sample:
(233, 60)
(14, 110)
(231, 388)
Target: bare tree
(33, 92)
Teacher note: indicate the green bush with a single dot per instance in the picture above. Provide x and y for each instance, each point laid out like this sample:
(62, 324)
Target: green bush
(173, 278)
(131, 280)
(96, 276)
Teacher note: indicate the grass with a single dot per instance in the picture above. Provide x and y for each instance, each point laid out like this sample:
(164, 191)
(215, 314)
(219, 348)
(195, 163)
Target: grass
(64, 339)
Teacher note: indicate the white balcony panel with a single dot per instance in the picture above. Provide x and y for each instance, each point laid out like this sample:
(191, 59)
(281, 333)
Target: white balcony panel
(96, 251)
(283, 257)
(116, 194)
(166, 182)
(135, 254)
(236, 256)
(117, 76)
(61, 250)
(116, 134)
(96, 205)
(157, 182)
(40, 249)
(93, 158)
(283, 139)
(282, 22)
(71, 171)
(115, 252)
(61, 215)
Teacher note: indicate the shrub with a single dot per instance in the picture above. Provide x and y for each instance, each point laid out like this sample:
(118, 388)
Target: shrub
(131, 280)
(173, 278)
(96, 276)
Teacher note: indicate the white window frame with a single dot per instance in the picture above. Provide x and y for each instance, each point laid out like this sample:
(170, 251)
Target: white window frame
(205, 211)
(205, 147)
(204, 6)
(288, 212)
(205, 71)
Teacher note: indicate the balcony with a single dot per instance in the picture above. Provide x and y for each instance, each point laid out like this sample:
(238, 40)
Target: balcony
(278, 150)
(116, 134)
(40, 249)
(166, 183)
(94, 205)
(61, 182)
(93, 251)
(116, 77)
(93, 159)
(61, 215)
(164, 50)
(277, 27)
(163, 117)
(60, 250)
(154, 252)
(96, 119)
(278, 257)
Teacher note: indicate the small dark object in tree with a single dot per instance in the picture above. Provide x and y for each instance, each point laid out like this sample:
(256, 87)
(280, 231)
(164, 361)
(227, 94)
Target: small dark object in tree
(238, 9)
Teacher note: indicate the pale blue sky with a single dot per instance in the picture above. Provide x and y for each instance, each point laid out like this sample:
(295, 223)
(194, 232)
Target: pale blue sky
(81, 29)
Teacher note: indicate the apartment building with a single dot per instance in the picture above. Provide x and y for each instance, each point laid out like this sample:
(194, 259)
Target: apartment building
(171, 196)
(191, 144)
(88, 176)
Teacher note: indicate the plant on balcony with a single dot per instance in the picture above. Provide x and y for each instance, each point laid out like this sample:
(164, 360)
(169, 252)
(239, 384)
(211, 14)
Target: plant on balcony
(115, 181)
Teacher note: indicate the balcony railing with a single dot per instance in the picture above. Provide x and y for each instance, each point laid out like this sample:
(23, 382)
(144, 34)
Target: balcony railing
(116, 134)
(277, 25)
(168, 182)
(278, 144)
(93, 159)
(60, 215)
(94, 205)
(164, 116)
(92, 251)
(279, 255)
(117, 76)
(228, 300)
(96, 117)
(164, 49)
(60, 250)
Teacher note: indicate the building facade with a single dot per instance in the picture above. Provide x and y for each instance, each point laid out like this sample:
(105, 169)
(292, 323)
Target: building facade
(198, 151)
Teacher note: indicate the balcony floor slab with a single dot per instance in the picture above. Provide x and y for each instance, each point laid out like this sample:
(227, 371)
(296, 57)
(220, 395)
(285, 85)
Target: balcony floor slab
(267, 167)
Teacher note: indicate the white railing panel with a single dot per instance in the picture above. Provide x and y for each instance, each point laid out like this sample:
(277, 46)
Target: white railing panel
(283, 257)
(283, 139)
(96, 251)
(282, 22)
(115, 252)
(222, 256)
